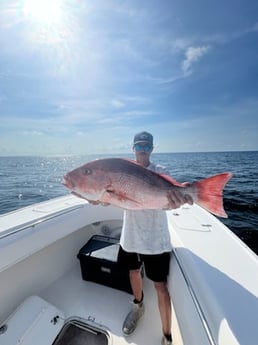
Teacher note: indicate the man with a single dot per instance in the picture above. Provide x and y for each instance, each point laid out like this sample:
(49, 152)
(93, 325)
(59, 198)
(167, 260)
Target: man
(145, 239)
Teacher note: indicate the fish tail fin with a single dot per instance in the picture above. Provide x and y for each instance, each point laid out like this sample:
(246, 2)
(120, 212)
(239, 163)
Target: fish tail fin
(210, 193)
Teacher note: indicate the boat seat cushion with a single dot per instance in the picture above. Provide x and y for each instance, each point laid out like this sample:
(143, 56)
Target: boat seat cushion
(35, 321)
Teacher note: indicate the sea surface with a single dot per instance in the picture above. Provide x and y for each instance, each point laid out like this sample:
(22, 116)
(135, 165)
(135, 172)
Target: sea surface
(27, 180)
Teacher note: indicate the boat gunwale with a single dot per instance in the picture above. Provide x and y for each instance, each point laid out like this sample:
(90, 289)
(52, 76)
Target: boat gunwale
(196, 303)
(18, 228)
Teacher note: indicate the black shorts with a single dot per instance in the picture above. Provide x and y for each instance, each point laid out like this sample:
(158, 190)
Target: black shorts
(156, 266)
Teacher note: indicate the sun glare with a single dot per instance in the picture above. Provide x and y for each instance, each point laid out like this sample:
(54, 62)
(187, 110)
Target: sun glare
(43, 11)
(50, 26)
(46, 21)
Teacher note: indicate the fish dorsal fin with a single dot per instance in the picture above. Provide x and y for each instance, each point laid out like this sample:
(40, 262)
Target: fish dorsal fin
(164, 176)
(171, 180)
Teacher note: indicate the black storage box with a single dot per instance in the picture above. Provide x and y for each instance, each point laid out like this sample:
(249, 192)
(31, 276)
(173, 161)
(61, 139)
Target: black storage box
(98, 260)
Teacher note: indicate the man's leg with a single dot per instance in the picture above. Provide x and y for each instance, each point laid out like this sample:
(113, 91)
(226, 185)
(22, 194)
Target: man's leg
(136, 284)
(137, 308)
(164, 306)
(133, 263)
(157, 269)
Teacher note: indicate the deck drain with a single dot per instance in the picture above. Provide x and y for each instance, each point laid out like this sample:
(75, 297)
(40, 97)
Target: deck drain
(3, 329)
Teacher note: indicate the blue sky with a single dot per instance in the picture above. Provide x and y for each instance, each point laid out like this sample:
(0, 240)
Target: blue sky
(84, 76)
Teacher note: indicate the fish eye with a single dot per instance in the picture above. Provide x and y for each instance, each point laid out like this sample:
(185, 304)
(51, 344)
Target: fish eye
(86, 171)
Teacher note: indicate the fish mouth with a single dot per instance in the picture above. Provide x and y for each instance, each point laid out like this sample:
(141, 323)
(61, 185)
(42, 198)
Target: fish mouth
(67, 182)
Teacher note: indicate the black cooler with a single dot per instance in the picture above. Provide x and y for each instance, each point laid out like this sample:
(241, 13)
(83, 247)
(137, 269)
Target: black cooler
(98, 260)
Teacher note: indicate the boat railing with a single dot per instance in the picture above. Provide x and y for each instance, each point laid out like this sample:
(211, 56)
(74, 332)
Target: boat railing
(197, 305)
(19, 228)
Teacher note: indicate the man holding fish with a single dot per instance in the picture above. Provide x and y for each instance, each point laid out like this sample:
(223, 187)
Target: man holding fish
(145, 239)
(144, 190)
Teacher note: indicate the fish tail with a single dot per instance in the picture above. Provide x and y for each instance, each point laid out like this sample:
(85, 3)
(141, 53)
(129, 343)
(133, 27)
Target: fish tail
(210, 193)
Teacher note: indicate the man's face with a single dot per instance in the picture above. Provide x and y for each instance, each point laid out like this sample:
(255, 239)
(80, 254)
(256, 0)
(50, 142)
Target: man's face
(142, 150)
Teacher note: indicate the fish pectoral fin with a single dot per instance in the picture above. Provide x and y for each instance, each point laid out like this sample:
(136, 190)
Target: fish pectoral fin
(118, 196)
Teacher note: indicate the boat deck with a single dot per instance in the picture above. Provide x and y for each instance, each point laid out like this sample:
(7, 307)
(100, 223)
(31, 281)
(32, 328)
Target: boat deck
(108, 307)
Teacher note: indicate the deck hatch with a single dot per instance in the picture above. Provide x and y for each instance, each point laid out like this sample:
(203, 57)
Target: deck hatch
(78, 333)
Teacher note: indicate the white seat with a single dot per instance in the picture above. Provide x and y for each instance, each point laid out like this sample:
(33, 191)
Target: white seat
(35, 321)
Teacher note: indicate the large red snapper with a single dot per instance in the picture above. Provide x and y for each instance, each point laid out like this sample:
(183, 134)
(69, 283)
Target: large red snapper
(126, 184)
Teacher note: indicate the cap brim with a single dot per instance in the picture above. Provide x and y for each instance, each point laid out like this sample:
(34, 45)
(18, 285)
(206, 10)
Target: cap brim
(143, 141)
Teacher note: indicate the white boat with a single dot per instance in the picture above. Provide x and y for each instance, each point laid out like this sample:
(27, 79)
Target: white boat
(213, 280)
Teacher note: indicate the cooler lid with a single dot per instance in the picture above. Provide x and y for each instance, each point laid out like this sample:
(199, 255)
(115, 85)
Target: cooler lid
(35, 321)
(101, 247)
(97, 242)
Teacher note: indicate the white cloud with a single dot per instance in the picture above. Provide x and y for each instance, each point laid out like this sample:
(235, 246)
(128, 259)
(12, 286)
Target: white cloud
(192, 55)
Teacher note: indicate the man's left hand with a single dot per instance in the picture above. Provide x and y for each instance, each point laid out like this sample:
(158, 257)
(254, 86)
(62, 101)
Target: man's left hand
(177, 199)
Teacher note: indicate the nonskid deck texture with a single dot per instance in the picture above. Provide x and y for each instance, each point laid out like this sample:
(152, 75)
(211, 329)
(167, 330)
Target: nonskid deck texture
(106, 308)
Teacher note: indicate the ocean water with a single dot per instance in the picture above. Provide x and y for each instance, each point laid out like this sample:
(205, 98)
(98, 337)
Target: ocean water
(28, 180)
